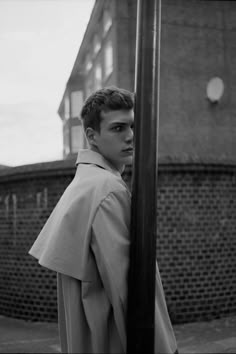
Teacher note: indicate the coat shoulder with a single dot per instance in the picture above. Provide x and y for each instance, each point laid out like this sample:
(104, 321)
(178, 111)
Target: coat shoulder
(104, 181)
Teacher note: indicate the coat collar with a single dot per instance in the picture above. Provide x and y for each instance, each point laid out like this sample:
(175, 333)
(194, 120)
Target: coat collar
(87, 156)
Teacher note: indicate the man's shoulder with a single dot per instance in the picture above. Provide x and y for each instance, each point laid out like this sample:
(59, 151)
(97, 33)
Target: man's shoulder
(104, 180)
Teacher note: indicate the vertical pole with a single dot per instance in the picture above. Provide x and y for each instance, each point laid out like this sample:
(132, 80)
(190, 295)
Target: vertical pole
(141, 286)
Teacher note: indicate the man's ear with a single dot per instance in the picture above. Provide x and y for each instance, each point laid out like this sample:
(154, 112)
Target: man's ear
(91, 136)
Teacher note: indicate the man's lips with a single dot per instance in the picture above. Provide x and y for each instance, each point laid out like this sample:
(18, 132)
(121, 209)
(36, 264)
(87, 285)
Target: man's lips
(129, 149)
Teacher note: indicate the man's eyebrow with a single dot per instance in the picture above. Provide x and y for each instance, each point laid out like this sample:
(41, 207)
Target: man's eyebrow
(121, 123)
(118, 123)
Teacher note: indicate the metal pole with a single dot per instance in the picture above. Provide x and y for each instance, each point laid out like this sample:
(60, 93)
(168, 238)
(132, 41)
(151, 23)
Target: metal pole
(141, 282)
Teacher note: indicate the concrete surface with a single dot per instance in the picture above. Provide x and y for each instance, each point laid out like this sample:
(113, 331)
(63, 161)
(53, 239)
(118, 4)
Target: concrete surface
(18, 336)
(218, 336)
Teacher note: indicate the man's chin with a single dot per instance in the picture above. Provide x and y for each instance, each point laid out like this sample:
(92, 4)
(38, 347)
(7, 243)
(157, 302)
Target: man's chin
(128, 160)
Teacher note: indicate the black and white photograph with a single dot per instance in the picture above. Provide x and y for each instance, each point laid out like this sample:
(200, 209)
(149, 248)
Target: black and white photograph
(118, 176)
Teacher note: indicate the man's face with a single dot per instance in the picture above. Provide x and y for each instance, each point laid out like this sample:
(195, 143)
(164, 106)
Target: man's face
(115, 139)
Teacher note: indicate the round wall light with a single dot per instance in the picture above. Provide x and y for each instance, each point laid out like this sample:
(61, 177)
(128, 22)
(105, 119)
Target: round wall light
(215, 89)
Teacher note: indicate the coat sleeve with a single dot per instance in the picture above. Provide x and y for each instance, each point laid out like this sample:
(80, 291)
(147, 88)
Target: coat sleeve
(110, 245)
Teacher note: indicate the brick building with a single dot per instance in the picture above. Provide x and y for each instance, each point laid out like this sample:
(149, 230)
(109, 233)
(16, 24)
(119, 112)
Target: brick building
(197, 45)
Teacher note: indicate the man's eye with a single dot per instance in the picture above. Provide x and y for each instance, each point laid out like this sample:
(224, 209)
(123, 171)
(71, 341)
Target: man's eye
(118, 128)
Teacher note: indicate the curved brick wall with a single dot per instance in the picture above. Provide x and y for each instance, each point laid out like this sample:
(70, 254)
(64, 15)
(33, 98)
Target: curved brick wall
(27, 196)
(196, 243)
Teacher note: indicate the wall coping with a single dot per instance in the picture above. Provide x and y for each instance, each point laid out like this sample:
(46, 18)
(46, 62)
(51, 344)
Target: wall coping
(37, 170)
(67, 167)
(191, 164)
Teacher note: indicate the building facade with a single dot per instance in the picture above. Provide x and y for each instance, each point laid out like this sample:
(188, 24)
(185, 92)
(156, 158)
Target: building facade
(198, 75)
(104, 59)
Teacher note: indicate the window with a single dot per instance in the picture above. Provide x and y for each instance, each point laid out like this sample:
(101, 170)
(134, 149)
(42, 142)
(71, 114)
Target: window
(88, 63)
(67, 108)
(89, 84)
(77, 138)
(76, 103)
(66, 140)
(96, 44)
(107, 21)
(98, 77)
(108, 58)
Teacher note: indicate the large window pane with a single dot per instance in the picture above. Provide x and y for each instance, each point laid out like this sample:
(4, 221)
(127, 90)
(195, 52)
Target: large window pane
(107, 21)
(77, 138)
(66, 140)
(67, 108)
(108, 56)
(96, 44)
(88, 63)
(76, 103)
(98, 77)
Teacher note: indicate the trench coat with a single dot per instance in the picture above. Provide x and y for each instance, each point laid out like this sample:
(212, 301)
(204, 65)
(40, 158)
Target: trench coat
(86, 241)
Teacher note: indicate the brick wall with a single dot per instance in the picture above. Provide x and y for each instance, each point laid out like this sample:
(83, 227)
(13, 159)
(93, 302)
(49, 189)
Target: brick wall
(27, 196)
(196, 242)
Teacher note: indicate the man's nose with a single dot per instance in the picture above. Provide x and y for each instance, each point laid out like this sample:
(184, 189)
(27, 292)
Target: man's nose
(129, 135)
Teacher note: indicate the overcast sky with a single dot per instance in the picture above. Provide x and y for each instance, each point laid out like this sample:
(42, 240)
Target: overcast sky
(39, 41)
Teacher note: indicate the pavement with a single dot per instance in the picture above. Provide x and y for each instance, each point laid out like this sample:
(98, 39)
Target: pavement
(218, 336)
(18, 336)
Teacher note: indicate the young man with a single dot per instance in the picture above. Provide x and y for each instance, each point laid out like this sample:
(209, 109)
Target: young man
(86, 238)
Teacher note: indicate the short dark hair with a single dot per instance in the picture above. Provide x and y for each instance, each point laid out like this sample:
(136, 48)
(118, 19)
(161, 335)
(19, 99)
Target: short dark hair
(106, 99)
